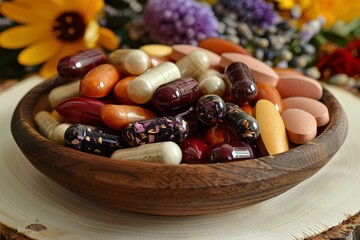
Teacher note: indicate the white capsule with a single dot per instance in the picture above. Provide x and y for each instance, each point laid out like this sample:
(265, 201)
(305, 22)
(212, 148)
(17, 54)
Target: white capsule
(50, 128)
(211, 82)
(162, 152)
(194, 64)
(130, 61)
(64, 92)
(142, 88)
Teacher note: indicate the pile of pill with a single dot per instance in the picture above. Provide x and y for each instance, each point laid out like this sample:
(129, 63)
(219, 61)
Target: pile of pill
(181, 104)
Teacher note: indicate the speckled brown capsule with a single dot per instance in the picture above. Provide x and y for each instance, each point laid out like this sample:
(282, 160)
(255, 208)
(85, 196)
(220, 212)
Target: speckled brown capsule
(210, 109)
(93, 140)
(158, 129)
(240, 122)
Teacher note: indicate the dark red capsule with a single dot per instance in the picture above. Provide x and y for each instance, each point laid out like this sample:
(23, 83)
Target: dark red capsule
(80, 63)
(231, 151)
(176, 94)
(81, 110)
(195, 151)
(243, 86)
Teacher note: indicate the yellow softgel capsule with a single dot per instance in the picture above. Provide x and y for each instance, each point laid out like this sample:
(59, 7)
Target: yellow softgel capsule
(273, 138)
(156, 50)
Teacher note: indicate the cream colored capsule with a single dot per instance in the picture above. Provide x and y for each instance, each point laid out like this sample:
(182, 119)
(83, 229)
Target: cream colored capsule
(211, 82)
(193, 64)
(142, 88)
(162, 152)
(130, 61)
(64, 92)
(50, 128)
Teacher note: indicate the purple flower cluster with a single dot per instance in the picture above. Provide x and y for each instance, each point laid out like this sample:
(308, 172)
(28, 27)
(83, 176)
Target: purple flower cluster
(253, 12)
(179, 21)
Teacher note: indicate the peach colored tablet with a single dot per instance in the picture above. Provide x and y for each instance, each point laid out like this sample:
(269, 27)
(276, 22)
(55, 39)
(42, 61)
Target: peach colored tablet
(300, 125)
(286, 71)
(312, 106)
(260, 71)
(180, 50)
(299, 86)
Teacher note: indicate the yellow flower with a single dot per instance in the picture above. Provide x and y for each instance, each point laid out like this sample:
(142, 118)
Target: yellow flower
(52, 29)
(331, 10)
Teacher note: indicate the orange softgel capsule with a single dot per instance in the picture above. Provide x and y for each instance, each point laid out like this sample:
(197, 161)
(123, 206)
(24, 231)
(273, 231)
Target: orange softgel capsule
(120, 91)
(100, 81)
(266, 91)
(119, 116)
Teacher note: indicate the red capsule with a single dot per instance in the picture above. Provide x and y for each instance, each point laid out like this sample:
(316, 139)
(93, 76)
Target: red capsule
(176, 94)
(81, 110)
(216, 134)
(195, 151)
(79, 64)
(232, 151)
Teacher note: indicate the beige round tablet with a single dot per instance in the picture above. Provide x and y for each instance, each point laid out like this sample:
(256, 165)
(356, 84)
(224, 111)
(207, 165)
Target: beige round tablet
(312, 106)
(300, 125)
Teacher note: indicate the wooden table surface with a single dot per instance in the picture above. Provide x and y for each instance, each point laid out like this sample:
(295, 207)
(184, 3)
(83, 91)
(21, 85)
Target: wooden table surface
(348, 229)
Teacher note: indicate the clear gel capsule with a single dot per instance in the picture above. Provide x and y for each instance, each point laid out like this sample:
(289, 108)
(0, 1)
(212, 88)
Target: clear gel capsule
(193, 64)
(93, 140)
(142, 88)
(158, 129)
(232, 151)
(163, 152)
(240, 122)
(130, 61)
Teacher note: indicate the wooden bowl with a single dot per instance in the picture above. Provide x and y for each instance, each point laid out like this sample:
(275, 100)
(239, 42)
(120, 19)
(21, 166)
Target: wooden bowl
(168, 189)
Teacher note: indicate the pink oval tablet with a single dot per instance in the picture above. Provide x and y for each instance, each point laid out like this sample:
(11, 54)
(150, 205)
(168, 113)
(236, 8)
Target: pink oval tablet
(181, 50)
(312, 106)
(299, 86)
(300, 125)
(260, 71)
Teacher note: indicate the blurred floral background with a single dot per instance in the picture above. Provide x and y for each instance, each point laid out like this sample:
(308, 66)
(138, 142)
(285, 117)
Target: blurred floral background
(320, 38)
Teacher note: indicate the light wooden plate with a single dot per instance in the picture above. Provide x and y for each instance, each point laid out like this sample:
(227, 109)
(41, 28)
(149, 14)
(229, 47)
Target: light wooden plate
(35, 205)
(173, 190)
